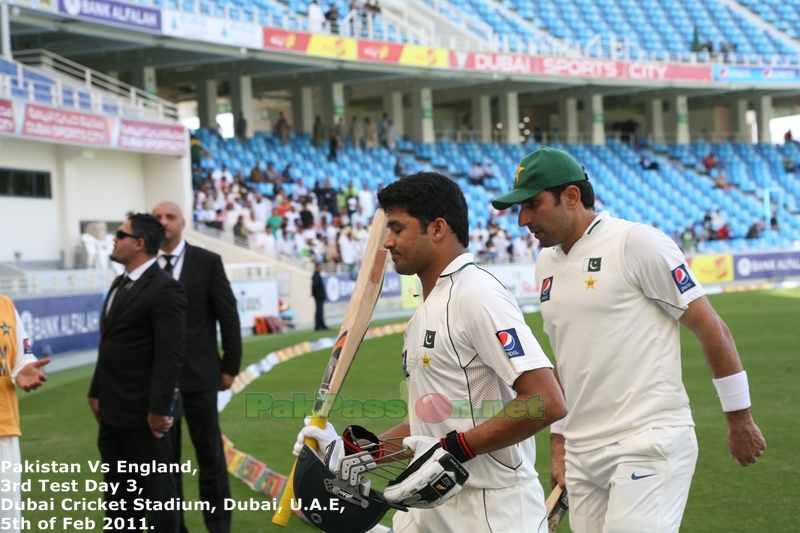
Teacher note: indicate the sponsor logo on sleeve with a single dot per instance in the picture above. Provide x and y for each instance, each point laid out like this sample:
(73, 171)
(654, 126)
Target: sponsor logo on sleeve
(547, 285)
(27, 346)
(430, 337)
(682, 279)
(510, 341)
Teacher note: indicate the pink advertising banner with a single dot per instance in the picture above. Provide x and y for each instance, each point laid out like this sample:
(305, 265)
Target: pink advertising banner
(66, 126)
(151, 137)
(6, 117)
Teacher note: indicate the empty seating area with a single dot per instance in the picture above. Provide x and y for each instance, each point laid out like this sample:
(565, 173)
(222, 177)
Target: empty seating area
(673, 197)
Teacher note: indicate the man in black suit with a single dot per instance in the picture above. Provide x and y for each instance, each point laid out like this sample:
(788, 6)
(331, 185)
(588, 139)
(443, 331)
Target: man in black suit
(134, 388)
(319, 294)
(210, 301)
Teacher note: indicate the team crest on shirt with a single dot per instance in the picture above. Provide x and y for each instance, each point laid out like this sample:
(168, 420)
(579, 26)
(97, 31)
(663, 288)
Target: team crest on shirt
(405, 371)
(26, 344)
(592, 264)
(510, 341)
(547, 284)
(682, 279)
(430, 338)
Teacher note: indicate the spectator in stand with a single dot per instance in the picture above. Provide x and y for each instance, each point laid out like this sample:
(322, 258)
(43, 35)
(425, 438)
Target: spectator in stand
(241, 127)
(239, 230)
(366, 201)
(787, 137)
(371, 130)
(253, 227)
(356, 133)
(647, 164)
(488, 169)
(319, 135)
(196, 150)
(391, 137)
(331, 251)
(341, 133)
(755, 231)
(306, 216)
(333, 144)
(773, 221)
(218, 175)
(265, 242)
(256, 176)
(358, 217)
(299, 190)
(382, 129)
(282, 127)
(687, 240)
(724, 233)
(789, 165)
(326, 196)
(710, 162)
(399, 170)
(721, 182)
(292, 218)
(348, 250)
(316, 18)
(372, 6)
(476, 174)
(262, 207)
(275, 221)
(287, 173)
(332, 16)
(272, 175)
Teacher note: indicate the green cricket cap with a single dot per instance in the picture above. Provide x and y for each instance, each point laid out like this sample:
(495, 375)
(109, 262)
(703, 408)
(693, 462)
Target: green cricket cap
(538, 171)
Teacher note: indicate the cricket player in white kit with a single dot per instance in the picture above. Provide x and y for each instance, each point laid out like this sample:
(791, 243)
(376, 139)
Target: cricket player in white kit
(613, 296)
(468, 347)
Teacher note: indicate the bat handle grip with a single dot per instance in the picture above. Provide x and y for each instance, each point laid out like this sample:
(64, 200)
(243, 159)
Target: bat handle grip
(284, 511)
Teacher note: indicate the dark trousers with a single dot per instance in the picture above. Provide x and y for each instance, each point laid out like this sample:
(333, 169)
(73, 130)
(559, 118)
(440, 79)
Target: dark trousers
(319, 315)
(201, 415)
(140, 447)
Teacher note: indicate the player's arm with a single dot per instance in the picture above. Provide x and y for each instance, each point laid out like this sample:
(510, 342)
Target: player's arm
(558, 448)
(538, 404)
(226, 313)
(744, 437)
(27, 372)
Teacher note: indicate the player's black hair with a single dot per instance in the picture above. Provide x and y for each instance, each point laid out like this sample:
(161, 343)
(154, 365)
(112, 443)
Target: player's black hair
(586, 189)
(427, 196)
(148, 228)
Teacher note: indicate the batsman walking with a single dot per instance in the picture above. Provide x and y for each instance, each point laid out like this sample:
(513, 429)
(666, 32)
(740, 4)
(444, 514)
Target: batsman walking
(467, 342)
(613, 296)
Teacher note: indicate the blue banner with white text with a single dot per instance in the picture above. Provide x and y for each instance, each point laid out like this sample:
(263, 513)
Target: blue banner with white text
(60, 324)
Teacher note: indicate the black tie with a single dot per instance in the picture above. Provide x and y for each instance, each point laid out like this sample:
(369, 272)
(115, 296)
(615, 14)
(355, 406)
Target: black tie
(168, 266)
(122, 288)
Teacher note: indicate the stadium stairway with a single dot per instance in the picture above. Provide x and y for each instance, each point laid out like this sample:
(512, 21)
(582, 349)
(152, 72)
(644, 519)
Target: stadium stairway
(673, 197)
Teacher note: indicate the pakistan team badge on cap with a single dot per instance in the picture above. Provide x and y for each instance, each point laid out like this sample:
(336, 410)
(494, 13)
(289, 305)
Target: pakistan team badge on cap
(547, 284)
(682, 279)
(430, 337)
(592, 264)
(510, 341)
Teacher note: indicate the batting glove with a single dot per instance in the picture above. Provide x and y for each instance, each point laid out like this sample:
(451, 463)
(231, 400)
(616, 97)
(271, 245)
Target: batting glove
(322, 436)
(433, 477)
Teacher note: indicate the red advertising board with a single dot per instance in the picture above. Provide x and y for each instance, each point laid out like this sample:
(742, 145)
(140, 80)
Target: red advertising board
(6, 117)
(290, 41)
(66, 126)
(378, 51)
(151, 137)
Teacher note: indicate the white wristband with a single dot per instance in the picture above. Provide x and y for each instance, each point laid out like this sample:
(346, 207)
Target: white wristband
(733, 391)
(558, 426)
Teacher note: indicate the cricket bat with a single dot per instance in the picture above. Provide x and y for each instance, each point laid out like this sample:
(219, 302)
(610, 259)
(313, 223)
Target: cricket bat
(557, 504)
(356, 321)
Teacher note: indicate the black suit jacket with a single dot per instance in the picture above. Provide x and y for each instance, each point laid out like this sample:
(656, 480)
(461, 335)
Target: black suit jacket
(141, 350)
(318, 287)
(210, 300)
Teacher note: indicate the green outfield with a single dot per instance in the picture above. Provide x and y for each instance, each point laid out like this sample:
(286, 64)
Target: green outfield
(57, 425)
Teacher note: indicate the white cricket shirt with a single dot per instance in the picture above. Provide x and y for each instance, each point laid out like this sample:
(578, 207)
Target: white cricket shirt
(610, 308)
(469, 342)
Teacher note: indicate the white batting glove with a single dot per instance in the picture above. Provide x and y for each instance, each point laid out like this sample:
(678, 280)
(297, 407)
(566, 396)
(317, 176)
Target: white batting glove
(322, 436)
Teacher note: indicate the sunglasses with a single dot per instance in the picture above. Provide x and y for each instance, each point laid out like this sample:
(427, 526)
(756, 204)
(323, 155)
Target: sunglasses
(121, 235)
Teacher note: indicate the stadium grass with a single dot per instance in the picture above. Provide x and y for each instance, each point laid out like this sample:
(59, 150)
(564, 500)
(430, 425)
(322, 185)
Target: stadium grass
(57, 425)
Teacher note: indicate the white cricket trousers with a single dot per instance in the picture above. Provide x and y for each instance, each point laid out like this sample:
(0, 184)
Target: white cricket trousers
(637, 485)
(9, 451)
(517, 509)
